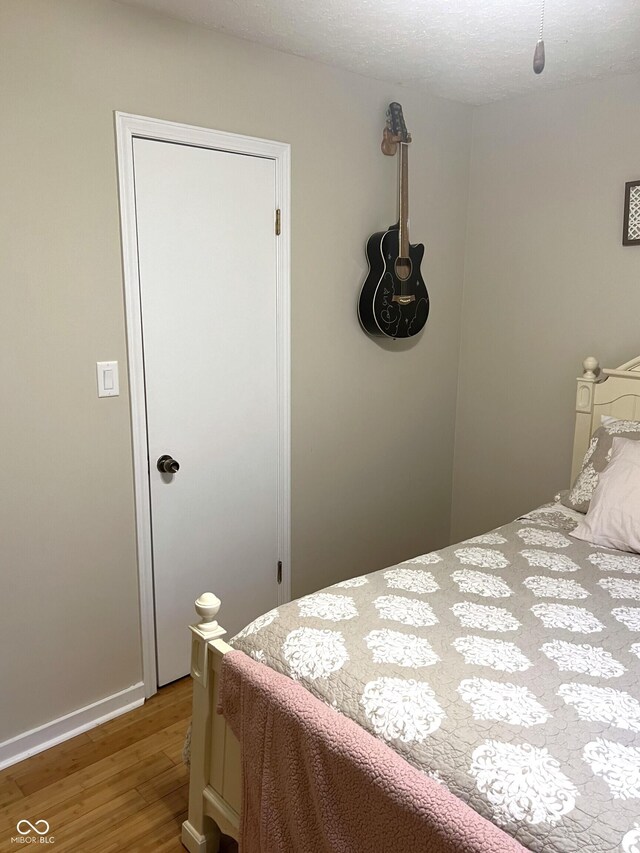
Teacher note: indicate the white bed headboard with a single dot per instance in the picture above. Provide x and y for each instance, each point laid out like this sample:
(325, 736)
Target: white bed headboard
(603, 392)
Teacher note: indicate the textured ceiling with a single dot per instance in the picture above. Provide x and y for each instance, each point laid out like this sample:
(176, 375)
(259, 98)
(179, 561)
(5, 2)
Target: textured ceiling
(468, 50)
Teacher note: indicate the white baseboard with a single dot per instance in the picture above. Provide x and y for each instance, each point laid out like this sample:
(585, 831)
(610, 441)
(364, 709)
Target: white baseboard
(36, 740)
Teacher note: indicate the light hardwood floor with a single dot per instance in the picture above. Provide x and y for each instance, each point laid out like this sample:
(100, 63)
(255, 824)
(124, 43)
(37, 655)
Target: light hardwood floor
(119, 787)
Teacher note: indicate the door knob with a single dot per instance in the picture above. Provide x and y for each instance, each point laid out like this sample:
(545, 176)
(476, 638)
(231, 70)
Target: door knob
(167, 465)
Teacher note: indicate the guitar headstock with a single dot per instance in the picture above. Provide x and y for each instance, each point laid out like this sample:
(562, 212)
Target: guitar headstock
(396, 130)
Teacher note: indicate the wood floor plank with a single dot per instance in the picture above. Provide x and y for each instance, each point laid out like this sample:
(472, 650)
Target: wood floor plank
(172, 778)
(120, 787)
(174, 749)
(38, 803)
(165, 837)
(115, 764)
(78, 834)
(75, 807)
(81, 834)
(109, 768)
(138, 827)
(178, 691)
(136, 775)
(9, 792)
(31, 780)
(46, 758)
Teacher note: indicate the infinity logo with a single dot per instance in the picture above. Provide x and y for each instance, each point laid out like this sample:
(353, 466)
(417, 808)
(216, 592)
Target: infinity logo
(32, 827)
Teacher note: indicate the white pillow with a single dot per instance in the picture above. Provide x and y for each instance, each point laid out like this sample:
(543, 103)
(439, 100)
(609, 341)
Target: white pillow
(613, 519)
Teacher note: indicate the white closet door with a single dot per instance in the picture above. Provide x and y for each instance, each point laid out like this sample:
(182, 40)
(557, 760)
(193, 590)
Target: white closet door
(207, 254)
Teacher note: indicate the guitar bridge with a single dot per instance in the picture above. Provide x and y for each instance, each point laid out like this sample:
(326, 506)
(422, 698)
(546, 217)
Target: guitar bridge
(403, 300)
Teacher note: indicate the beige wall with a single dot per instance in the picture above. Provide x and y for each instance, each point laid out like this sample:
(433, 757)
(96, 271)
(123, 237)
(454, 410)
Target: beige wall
(547, 282)
(372, 428)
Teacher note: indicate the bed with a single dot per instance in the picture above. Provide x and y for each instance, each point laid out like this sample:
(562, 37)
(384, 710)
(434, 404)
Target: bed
(514, 655)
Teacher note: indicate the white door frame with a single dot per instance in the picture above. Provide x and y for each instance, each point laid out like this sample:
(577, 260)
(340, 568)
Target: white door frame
(129, 127)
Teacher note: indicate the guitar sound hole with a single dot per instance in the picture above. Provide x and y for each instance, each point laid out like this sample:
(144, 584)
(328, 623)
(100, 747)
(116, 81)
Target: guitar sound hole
(403, 268)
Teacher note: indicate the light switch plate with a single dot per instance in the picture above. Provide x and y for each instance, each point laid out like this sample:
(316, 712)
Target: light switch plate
(108, 382)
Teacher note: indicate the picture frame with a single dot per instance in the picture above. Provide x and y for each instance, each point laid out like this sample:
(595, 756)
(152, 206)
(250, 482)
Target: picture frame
(631, 229)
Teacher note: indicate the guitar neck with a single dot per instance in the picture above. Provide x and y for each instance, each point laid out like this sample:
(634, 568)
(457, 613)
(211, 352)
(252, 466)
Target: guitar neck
(403, 202)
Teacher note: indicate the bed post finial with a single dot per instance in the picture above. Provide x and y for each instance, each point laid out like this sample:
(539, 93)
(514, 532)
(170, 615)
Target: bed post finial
(585, 398)
(202, 633)
(207, 607)
(590, 366)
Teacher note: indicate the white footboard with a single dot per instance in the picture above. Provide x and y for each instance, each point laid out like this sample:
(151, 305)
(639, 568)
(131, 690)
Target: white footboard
(215, 779)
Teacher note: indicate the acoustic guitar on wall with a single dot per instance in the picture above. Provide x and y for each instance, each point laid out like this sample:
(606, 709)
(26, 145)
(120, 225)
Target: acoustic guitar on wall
(394, 302)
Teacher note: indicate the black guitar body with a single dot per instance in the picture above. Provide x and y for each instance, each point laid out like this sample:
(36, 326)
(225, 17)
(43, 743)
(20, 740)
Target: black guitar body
(388, 306)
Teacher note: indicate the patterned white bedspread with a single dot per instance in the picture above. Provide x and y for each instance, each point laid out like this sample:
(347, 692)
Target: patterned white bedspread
(506, 667)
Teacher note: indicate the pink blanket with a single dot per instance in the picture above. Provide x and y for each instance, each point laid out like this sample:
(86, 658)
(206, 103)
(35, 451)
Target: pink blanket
(316, 782)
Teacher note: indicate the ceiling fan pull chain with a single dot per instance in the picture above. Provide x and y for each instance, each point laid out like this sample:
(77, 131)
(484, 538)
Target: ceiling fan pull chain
(538, 56)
